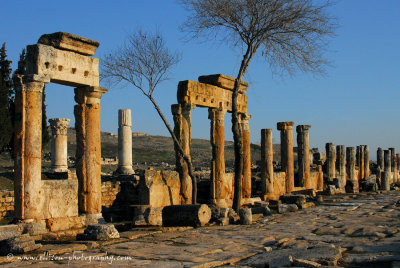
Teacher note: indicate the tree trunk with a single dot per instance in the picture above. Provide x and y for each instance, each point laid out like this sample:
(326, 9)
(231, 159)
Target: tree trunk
(179, 147)
(186, 215)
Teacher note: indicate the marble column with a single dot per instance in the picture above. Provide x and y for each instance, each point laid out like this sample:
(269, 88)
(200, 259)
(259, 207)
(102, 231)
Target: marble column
(352, 180)
(125, 142)
(28, 191)
(217, 131)
(59, 144)
(330, 161)
(267, 167)
(393, 163)
(360, 161)
(182, 114)
(303, 152)
(246, 175)
(380, 158)
(286, 129)
(366, 161)
(386, 177)
(88, 150)
(341, 165)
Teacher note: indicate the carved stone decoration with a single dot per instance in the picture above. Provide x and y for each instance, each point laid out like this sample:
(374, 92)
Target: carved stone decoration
(59, 153)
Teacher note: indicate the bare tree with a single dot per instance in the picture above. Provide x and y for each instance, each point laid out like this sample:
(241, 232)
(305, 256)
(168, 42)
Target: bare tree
(144, 61)
(289, 34)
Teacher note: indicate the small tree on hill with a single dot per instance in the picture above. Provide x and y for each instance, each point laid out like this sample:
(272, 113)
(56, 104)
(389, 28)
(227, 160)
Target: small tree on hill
(289, 34)
(145, 62)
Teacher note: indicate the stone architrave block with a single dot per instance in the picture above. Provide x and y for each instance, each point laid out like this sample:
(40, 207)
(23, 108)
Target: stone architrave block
(205, 95)
(63, 67)
(223, 81)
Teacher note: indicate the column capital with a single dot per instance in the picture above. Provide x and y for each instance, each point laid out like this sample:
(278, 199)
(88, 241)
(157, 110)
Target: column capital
(59, 126)
(89, 94)
(124, 117)
(302, 128)
(178, 109)
(217, 114)
(285, 125)
(24, 83)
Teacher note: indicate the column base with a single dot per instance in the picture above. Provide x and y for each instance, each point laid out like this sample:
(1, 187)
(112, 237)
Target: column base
(59, 170)
(125, 170)
(92, 218)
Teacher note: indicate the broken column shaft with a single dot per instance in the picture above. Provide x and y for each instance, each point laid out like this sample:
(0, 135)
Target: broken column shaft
(393, 163)
(246, 178)
(366, 161)
(287, 163)
(380, 158)
(352, 181)
(386, 177)
(330, 161)
(124, 142)
(182, 129)
(218, 192)
(341, 165)
(303, 151)
(267, 167)
(59, 142)
(360, 161)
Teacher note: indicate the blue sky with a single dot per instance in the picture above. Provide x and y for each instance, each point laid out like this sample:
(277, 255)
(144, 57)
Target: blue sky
(357, 102)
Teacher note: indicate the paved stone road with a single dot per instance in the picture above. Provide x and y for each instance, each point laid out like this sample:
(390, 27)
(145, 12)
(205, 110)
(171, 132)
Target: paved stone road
(350, 231)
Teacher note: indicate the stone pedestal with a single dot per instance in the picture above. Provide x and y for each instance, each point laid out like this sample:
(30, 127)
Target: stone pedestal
(393, 163)
(59, 143)
(182, 130)
(303, 151)
(330, 161)
(217, 131)
(88, 151)
(287, 163)
(380, 158)
(341, 165)
(28, 148)
(124, 142)
(267, 167)
(246, 175)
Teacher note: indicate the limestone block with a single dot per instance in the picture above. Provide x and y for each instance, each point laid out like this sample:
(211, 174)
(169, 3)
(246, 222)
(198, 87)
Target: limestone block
(159, 188)
(65, 223)
(205, 95)
(223, 81)
(70, 42)
(60, 198)
(99, 232)
(297, 199)
(63, 67)
(246, 217)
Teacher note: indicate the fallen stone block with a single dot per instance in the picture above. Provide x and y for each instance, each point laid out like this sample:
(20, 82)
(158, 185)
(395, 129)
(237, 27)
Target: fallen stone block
(306, 192)
(233, 216)
(246, 216)
(186, 215)
(18, 245)
(261, 210)
(297, 199)
(98, 232)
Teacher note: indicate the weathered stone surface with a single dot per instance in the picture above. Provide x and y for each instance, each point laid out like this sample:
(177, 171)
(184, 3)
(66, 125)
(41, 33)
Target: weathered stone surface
(341, 166)
(330, 161)
(223, 81)
(205, 95)
(18, 245)
(59, 143)
(62, 67)
(297, 199)
(71, 42)
(99, 232)
(267, 168)
(245, 215)
(303, 145)
(186, 215)
(284, 208)
(124, 142)
(287, 163)
(246, 175)
(64, 223)
(261, 210)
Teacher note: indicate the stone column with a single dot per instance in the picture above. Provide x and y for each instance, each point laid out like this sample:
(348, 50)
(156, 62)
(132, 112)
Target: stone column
(267, 166)
(398, 166)
(88, 150)
(341, 165)
(330, 161)
(379, 158)
(366, 161)
(352, 181)
(360, 162)
(182, 129)
(385, 183)
(124, 142)
(28, 148)
(303, 151)
(217, 133)
(59, 143)
(246, 176)
(393, 163)
(287, 163)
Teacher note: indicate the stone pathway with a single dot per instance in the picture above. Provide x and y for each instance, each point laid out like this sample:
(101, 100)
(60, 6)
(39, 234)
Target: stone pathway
(350, 231)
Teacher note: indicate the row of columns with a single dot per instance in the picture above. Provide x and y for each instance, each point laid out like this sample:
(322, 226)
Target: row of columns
(29, 197)
(287, 161)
